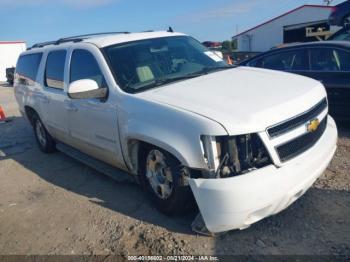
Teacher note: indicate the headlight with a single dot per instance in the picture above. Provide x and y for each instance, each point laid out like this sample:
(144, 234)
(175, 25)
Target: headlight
(210, 152)
(234, 155)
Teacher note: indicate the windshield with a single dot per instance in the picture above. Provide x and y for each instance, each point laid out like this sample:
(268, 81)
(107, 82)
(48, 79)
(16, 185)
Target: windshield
(342, 35)
(145, 64)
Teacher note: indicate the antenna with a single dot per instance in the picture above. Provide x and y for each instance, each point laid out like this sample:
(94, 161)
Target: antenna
(327, 2)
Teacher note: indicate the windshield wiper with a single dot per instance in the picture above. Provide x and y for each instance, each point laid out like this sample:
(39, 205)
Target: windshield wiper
(163, 81)
(217, 68)
(203, 71)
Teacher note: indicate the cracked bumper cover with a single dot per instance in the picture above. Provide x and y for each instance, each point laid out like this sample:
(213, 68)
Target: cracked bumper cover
(238, 202)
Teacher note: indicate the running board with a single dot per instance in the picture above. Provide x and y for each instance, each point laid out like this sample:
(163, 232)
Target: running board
(106, 169)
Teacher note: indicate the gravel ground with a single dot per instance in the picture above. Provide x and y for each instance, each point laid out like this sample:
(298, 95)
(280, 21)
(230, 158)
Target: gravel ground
(51, 204)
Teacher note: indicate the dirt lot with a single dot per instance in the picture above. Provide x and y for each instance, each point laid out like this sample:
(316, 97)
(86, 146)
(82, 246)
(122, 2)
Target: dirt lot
(51, 204)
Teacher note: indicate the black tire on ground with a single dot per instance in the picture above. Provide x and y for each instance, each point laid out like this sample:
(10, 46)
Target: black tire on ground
(181, 199)
(45, 142)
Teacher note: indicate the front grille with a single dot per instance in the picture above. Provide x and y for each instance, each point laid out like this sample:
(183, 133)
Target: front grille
(301, 144)
(298, 121)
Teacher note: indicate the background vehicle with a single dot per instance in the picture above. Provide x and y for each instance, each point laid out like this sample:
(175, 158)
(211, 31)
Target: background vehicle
(10, 72)
(212, 45)
(327, 62)
(340, 15)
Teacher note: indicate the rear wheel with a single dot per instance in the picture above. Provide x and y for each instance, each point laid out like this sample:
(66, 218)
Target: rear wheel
(45, 141)
(162, 178)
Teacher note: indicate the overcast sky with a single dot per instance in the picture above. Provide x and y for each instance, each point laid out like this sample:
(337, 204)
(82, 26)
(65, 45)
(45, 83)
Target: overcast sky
(43, 20)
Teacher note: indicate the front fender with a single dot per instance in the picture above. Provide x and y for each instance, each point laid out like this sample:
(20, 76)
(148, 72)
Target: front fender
(174, 130)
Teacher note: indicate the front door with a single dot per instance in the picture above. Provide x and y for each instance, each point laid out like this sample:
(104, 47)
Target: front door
(93, 122)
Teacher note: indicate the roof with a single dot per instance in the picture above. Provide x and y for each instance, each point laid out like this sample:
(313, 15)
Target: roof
(103, 41)
(11, 42)
(317, 43)
(106, 39)
(345, 44)
(285, 14)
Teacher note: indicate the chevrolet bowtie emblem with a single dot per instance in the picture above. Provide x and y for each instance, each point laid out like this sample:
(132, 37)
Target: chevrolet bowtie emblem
(313, 125)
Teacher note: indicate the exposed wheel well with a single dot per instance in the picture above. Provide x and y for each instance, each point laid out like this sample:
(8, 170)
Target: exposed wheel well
(136, 148)
(30, 112)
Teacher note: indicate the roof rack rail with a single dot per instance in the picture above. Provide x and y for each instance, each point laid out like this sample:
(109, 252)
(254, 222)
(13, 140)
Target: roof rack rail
(82, 37)
(76, 38)
(41, 44)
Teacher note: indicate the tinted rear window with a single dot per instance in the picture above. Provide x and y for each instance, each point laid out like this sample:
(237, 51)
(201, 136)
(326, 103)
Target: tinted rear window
(54, 72)
(27, 68)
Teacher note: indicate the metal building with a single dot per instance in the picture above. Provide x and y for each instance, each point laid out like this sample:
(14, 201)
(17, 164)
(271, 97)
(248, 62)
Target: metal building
(286, 28)
(9, 53)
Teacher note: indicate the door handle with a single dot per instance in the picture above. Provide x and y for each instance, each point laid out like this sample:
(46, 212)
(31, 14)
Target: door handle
(71, 108)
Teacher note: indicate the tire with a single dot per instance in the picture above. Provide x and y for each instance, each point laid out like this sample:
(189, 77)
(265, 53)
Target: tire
(171, 198)
(45, 141)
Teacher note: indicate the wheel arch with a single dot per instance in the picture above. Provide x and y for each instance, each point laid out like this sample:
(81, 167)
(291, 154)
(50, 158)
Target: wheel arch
(30, 112)
(136, 146)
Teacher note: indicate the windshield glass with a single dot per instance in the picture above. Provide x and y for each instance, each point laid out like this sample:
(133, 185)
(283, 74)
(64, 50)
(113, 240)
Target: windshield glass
(341, 35)
(145, 64)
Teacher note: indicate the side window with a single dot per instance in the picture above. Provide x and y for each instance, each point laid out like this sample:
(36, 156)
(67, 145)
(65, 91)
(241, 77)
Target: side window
(54, 72)
(293, 60)
(324, 59)
(255, 63)
(84, 66)
(27, 68)
(344, 59)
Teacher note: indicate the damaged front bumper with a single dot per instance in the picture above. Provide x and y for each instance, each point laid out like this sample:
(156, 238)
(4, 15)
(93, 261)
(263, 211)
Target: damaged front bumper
(238, 202)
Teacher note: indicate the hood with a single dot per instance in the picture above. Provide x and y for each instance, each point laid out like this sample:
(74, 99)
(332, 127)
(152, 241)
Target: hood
(243, 100)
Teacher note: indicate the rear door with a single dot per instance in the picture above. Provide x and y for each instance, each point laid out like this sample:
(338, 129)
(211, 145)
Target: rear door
(54, 115)
(331, 66)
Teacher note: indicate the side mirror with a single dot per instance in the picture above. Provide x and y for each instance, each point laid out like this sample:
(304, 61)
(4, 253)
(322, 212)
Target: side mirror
(85, 89)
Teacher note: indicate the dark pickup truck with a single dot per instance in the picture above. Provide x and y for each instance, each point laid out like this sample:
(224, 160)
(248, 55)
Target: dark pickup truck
(10, 72)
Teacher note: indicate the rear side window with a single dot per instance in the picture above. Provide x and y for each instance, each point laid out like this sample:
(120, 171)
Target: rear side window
(27, 68)
(84, 66)
(54, 72)
(343, 58)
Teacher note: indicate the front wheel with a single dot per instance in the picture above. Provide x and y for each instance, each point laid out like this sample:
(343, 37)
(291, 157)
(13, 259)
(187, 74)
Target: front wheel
(162, 176)
(45, 141)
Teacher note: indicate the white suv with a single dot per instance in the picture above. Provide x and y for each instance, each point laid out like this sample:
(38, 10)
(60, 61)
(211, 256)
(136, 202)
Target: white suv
(245, 142)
